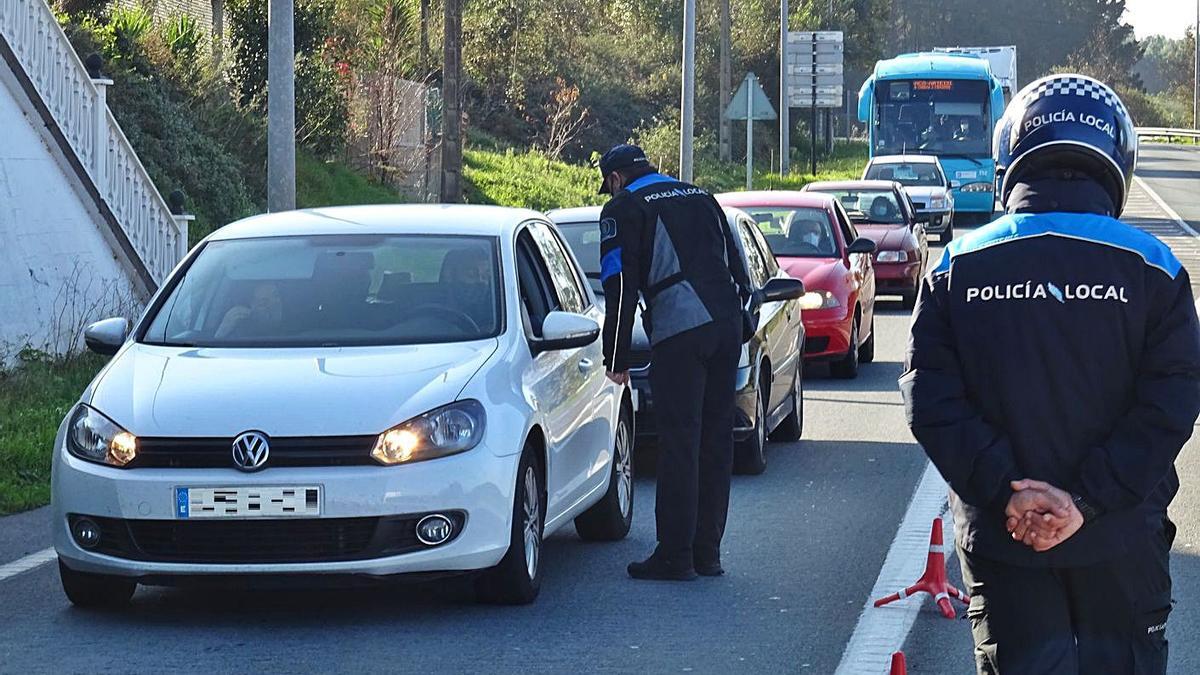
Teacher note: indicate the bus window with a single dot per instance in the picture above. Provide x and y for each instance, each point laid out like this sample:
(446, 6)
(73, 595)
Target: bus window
(933, 116)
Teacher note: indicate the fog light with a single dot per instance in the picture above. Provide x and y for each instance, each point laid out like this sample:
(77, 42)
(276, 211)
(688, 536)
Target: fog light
(434, 529)
(87, 532)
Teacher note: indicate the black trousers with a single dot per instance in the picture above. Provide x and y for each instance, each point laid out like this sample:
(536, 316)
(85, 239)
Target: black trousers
(1106, 618)
(692, 378)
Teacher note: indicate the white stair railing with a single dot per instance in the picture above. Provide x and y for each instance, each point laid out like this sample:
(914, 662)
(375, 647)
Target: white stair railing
(77, 103)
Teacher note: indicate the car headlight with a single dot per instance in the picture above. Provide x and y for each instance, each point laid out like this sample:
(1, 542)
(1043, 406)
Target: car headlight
(937, 203)
(977, 187)
(445, 431)
(819, 300)
(892, 257)
(94, 437)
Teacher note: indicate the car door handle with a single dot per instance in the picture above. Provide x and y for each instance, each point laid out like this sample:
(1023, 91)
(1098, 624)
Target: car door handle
(585, 365)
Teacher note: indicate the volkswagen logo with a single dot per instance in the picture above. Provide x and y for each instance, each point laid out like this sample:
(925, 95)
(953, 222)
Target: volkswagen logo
(250, 451)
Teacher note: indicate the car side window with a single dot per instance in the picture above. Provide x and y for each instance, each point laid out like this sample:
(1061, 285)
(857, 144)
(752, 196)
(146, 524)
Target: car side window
(772, 264)
(754, 257)
(562, 270)
(848, 231)
(538, 298)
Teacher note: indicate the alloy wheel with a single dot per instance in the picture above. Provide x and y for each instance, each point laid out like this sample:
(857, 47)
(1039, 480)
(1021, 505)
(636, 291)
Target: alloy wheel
(533, 520)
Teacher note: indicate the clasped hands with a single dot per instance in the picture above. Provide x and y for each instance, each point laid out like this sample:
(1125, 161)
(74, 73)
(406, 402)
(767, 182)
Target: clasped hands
(1040, 515)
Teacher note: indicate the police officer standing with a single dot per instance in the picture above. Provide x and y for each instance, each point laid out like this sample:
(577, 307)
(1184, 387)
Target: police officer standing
(668, 242)
(1053, 375)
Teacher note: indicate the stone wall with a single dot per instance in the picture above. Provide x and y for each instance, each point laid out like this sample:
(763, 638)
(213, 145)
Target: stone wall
(208, 13)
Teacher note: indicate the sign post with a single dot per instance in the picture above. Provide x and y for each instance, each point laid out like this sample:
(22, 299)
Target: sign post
(814, 77)
(750, 103)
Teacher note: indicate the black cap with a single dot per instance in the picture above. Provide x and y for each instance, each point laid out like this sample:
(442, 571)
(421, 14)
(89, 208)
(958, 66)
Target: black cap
(622, 157)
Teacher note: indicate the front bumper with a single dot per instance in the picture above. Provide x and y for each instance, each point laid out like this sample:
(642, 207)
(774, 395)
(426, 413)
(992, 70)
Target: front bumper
(477, 484)
(827, 334)
(898, 278)
(936, 222)
(743, 417)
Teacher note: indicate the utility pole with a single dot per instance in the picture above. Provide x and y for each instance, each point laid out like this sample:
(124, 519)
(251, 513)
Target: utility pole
(785, 123)
(725, 141)
(688, 112)
(452, 150)
(1196, 73)
(424, 38)
(281, 107)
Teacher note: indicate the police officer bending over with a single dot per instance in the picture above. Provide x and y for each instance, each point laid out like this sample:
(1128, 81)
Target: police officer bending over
(1053, 375)
(669, 242)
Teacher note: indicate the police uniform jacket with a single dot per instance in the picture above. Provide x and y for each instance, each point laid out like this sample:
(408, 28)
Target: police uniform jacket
(1058, 346)
(669, 243)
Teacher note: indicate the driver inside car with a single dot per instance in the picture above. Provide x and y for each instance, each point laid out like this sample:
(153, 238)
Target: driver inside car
(262, 316)
(467, 276)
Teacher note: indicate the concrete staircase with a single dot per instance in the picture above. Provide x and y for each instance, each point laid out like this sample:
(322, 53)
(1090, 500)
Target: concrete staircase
(83, 230)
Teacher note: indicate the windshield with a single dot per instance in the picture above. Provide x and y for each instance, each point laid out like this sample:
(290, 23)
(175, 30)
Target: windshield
(870, 206)
(796, 232)
(584, 240)
(334, 291)
(910, 175)
(932, 117)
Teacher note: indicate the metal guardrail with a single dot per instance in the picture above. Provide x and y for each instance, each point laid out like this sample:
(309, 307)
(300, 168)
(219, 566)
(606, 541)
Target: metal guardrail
(77, 103)
(1163, 132)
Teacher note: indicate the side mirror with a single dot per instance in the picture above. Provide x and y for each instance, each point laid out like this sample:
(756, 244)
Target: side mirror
(564, 330)
(861, 245)
(778, 290)
(107, 336)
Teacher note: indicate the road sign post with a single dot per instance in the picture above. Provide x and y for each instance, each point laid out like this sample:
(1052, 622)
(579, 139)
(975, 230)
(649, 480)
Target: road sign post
(814, 76)
(785, 122)
(750, 103)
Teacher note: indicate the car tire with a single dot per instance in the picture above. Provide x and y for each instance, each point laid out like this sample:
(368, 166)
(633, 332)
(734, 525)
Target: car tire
(610, 518)
(84, 589)
(847, 367)
(517, 579)
(749, 456)
(909, 300)
(866, 353)
(948, 235)
(792, 426)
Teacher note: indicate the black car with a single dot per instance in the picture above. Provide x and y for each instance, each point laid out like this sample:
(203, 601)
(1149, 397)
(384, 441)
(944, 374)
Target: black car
(770, 374)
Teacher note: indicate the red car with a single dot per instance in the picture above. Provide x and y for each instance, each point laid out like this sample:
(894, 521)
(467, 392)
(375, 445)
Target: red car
(814, 240)
(883, 213)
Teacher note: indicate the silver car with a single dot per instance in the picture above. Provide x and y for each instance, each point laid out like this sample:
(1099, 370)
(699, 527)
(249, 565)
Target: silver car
(926, 185)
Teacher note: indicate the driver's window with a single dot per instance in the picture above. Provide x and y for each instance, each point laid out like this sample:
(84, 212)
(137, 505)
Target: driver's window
(538, 298)
(772, 265)
(754, 257)
(848, 232)
(562, 269)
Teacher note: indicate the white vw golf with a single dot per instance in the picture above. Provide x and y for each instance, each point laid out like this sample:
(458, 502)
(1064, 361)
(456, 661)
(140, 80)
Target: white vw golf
(374, 391)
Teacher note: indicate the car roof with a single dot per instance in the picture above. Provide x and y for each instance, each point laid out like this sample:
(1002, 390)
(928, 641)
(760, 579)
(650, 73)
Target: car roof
(581, 214)
(760, 198)
(852, 185)
(448, 219)
(904, 159)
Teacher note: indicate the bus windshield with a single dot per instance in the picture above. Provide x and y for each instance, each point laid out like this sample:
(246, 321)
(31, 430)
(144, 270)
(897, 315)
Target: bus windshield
(932, 117)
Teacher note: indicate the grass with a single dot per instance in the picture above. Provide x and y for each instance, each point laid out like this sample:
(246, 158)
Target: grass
(532, 180)
(34, 398)
(321, 183)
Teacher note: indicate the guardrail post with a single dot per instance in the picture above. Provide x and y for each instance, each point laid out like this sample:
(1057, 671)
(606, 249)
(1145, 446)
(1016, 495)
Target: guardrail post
(100, 132)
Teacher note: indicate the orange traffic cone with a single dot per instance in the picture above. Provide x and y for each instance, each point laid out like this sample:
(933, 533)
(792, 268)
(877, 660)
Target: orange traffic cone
(899, 667)
(933, 581)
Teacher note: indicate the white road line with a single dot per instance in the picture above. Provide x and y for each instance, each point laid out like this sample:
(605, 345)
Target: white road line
(882, 631)
(1166, 207)
(27, 563)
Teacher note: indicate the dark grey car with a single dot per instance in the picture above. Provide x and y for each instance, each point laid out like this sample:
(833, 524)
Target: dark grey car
(770, 374)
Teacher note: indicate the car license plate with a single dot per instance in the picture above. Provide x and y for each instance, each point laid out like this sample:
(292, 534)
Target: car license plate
(248, 502)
